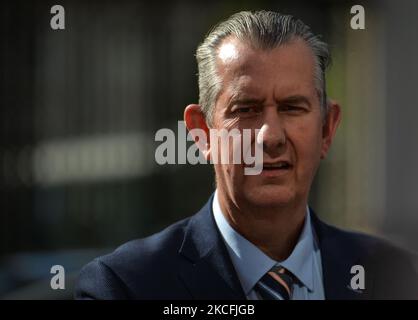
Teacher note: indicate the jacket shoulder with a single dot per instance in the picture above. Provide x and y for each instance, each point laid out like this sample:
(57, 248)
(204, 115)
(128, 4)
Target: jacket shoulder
(132, 267)
(371, 246)
(394, 269)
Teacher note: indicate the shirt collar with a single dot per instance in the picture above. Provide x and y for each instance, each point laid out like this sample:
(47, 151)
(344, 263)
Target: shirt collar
(251, 263)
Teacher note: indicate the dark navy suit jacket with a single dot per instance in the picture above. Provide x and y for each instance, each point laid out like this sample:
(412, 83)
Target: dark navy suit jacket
(189, 260)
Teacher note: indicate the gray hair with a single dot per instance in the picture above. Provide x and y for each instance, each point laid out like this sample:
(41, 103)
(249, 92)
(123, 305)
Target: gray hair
(263, 30)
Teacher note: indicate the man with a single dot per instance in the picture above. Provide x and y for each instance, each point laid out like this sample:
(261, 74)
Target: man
(256, 238)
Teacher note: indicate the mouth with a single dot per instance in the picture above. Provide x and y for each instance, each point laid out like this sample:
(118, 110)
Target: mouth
(276, 169)
(280, 165)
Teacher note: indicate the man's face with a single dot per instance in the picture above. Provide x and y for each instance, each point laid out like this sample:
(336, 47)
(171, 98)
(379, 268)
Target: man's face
(274, 91)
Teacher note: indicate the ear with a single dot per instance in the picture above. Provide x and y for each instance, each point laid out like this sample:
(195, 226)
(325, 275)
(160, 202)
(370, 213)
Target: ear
(330, 126)
(195, 119)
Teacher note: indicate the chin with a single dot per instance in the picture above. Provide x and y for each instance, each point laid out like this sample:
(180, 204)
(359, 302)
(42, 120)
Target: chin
(270, 196)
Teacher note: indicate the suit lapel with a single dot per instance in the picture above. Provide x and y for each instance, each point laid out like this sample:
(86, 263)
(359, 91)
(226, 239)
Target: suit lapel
(338, 256)
(208, 272)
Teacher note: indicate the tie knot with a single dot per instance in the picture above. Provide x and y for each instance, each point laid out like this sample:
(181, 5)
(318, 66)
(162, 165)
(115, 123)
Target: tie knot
(276, 284)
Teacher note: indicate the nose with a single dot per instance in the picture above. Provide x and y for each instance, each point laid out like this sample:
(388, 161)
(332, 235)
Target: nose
(273, 132)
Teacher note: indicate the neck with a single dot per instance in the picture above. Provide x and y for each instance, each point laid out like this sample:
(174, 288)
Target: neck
(274, 230)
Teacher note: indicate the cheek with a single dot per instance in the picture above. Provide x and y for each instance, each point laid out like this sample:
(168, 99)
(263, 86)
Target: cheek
(230, 176)
(307, 143)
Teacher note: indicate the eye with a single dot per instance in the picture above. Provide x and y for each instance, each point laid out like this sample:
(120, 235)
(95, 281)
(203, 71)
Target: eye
(291, 108)
(245, 110)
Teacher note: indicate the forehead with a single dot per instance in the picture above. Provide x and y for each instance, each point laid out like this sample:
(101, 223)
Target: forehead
(286, 69)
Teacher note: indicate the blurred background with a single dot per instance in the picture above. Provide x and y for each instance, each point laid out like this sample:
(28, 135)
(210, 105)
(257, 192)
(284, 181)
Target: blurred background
(79, 109)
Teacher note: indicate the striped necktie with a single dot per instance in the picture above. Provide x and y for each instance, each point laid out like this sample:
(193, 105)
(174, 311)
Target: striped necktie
(277, 284)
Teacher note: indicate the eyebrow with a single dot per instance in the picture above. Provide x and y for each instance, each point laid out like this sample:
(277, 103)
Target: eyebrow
(296, 99)
(244, 99)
